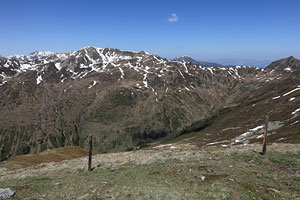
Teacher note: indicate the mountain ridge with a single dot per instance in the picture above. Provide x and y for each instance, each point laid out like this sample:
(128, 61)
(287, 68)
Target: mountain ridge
(125, 99)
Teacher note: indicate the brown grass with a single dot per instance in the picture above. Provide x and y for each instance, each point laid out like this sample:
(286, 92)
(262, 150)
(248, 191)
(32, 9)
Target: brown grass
(51, 155)
(166, 172)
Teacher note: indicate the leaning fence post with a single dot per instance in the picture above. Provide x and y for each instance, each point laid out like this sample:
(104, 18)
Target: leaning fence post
(264, 151)
(90, 153)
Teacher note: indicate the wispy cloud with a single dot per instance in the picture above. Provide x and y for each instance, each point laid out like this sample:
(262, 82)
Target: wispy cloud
(174, 18)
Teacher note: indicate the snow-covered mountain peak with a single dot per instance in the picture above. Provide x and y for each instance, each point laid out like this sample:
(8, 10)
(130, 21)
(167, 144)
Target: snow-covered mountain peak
(40, 54)
(90, 60)
(32, 56)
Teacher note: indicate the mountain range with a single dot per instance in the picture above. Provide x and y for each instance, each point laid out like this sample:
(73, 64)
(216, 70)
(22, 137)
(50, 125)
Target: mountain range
(128, 99)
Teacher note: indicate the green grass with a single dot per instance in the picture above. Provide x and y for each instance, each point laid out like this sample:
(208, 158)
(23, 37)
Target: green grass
(228, 175)
(285, 159)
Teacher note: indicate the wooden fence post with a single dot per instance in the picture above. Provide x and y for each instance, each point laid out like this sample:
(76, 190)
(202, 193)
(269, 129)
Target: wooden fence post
(90, 153)
(264, 151)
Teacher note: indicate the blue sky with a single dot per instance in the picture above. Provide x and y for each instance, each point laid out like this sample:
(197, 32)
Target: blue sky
(213, 30)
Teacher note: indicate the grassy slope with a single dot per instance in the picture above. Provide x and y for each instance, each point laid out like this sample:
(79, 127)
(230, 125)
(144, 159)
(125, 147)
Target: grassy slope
(53, 155)
(163, 173)
(240, 119)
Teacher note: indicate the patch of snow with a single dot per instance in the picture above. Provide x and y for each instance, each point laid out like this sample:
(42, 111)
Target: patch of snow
(292, 99)
(202, 177)
(163, 145)
(138, 85)
(39, 79)
(186, 69)
(209, 69)
(287, 69)
(212, 143)
(247, 135)
(256, 128)
(297, 110)
(294, 122)
(260, 136)
(276, 97)
(186, 88)
(57, 65)
(236, 72)
(92, 85)
(145, 81)
(122, 73)
(230, 128)
(3, 83)
(294, 90)
(25, 67)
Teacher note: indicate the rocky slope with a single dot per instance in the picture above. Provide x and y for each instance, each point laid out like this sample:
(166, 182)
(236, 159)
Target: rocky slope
(125, 99)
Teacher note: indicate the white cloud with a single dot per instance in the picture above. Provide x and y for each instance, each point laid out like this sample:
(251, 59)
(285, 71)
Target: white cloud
(174, 18)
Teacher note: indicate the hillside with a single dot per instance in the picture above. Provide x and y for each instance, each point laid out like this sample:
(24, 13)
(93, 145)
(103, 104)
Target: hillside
(50, 155)
(168, 171)
(127, 100)
(244, 123)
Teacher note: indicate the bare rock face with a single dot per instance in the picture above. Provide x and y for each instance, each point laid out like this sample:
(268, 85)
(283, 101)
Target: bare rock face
(124, 99)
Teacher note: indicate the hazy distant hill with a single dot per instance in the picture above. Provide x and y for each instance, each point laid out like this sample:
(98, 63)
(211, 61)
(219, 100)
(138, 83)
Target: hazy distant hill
(202, 63)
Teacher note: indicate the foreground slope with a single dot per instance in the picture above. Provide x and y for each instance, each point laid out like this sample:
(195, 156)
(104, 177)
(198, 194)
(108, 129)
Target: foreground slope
(51, 155)
(124, 99)
(166, 172)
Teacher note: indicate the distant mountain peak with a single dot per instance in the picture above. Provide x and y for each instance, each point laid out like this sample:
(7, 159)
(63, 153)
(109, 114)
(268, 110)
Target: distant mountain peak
(89, 47)
(186, 58)
(291, 58)
(32, 56)
(41, 53)
(288, 64)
